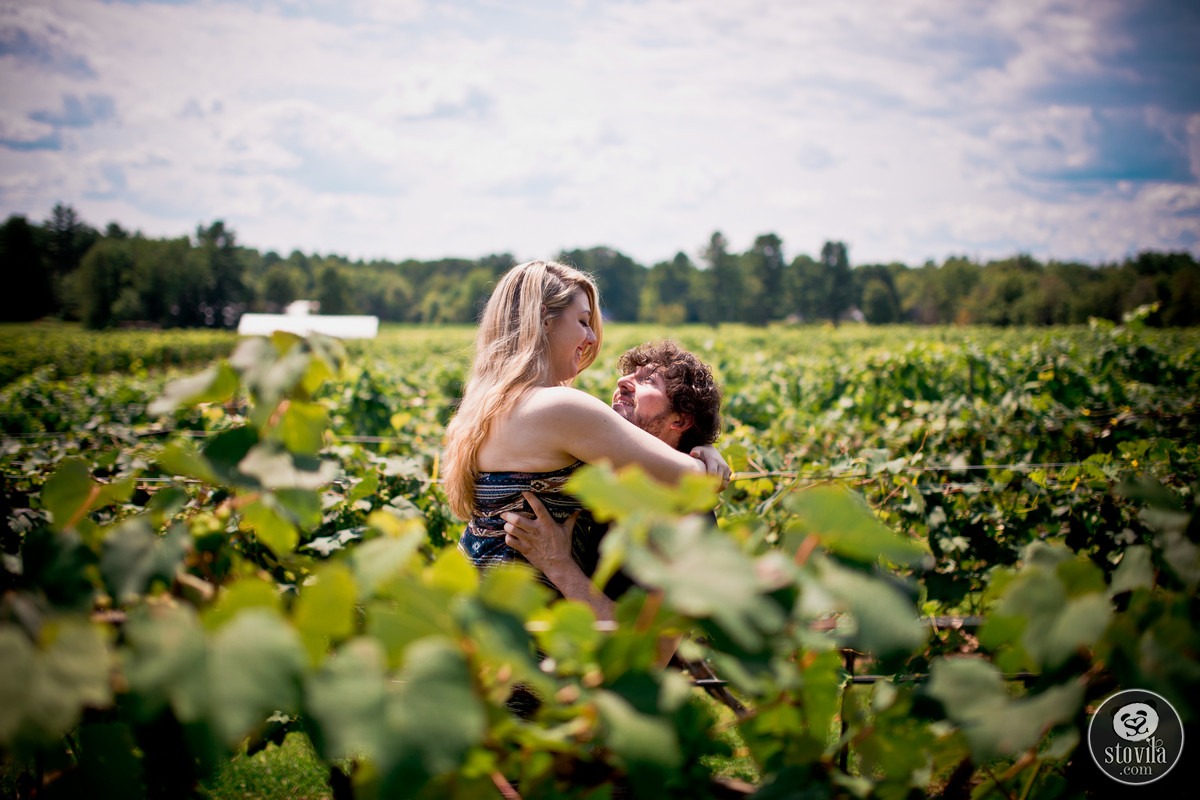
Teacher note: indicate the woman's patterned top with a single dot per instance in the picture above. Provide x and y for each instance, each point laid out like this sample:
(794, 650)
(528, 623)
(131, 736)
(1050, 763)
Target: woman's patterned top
(498, 492)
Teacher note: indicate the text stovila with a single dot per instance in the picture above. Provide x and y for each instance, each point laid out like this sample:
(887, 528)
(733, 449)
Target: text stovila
(1152, 752)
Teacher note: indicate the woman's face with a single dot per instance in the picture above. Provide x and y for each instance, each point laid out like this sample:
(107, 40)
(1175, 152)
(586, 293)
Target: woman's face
(570, 335)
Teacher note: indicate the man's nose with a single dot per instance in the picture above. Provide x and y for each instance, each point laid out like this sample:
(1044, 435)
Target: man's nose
(625, 383)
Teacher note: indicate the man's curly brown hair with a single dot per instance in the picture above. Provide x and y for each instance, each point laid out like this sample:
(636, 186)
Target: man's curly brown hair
(690, 387)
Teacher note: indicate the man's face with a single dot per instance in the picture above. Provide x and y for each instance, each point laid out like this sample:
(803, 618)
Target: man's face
(641, 398)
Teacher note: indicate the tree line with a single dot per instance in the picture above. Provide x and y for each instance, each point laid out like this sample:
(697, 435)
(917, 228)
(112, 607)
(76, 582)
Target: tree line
(65, 268)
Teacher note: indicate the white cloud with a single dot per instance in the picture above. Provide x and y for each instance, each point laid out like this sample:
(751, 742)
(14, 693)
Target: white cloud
(911, 130)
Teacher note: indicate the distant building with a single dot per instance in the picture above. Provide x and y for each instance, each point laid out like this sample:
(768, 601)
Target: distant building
(301, 307)
(301, 318)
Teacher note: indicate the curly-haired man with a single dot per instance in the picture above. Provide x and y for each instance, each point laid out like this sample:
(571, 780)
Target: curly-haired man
(667, 391)
(664, 390)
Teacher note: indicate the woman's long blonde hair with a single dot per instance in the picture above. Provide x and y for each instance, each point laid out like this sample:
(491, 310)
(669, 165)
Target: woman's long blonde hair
(511, 357)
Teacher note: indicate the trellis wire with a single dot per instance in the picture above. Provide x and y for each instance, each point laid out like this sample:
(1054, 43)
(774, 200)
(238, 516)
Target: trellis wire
(833, 474)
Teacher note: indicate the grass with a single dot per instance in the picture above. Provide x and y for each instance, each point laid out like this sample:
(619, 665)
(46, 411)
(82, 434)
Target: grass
(290, 771)
(739, 766)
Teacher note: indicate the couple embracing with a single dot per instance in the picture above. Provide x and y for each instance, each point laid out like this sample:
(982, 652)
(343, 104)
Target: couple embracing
(522, 429)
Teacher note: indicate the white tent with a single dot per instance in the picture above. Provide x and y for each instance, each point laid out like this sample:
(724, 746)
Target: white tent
(300, 320)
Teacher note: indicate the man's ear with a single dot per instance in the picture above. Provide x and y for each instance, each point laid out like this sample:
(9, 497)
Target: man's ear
(682, 421)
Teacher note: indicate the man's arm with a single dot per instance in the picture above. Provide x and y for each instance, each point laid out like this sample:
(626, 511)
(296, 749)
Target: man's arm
(546, 545)
(714, 463)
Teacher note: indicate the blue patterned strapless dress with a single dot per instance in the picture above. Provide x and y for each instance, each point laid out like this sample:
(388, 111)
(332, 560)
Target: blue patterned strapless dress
(498, 492)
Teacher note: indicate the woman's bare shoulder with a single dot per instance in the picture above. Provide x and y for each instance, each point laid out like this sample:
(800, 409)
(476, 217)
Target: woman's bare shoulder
(537, 434)
(557, 393)
(561, 400)
(560, 413)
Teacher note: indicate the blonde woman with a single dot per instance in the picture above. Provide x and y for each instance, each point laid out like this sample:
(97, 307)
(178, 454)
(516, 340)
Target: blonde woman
(521, 427)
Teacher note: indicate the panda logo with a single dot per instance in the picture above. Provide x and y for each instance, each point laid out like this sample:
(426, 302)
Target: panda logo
(1135, 722)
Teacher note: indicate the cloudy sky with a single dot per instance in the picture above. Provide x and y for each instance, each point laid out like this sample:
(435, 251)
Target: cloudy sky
(910, 129)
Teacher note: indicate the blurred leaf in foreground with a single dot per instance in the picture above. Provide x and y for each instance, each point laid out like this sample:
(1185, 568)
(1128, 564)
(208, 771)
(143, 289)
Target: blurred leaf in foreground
(974, 696)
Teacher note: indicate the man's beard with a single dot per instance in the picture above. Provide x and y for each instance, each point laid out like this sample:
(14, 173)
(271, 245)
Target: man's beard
(655, 425)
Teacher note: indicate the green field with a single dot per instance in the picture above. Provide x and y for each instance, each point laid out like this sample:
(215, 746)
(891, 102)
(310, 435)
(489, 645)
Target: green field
(188, 556)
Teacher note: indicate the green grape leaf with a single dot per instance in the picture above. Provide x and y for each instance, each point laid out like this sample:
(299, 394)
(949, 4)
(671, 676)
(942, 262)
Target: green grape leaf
(629, 491)
(1057, 623)
(71, 671)
(1046, 556)
(413, 611)
(886, 622)
(225, 452)
(570, 636)
(703, 573)
(1080, 577)
(17, 656)
(163, 661)
(324, 611)
(271, 369)
(645, 742)
(133, 556)
(302, 506)
(737, 456)
(367, 487)
(323, 365)
(182, 457)
(277, 469)
(502, 641)
(270, 526)
(821, 690)
(1000, 630)
(378, 561)
(165, 503)
(1078, 626)
(453, 572)
(256, 667)
(1182, 556)
(1136, 571)
(973, 695)
(513, 588)
(845, 526)
(285, 341)
(302, 428)
(346, 702)
(244, 593)
(435, 716)
(71, 492)
(216, 384)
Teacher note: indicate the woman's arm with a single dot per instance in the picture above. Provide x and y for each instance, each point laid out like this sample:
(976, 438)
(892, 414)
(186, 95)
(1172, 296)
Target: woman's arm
(547, 546)
(573, 422)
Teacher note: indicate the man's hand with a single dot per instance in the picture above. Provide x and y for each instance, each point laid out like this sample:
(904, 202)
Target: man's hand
(546, 544)
(714, 463)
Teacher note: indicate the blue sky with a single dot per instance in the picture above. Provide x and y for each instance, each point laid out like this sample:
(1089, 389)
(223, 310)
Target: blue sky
(911, 129)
